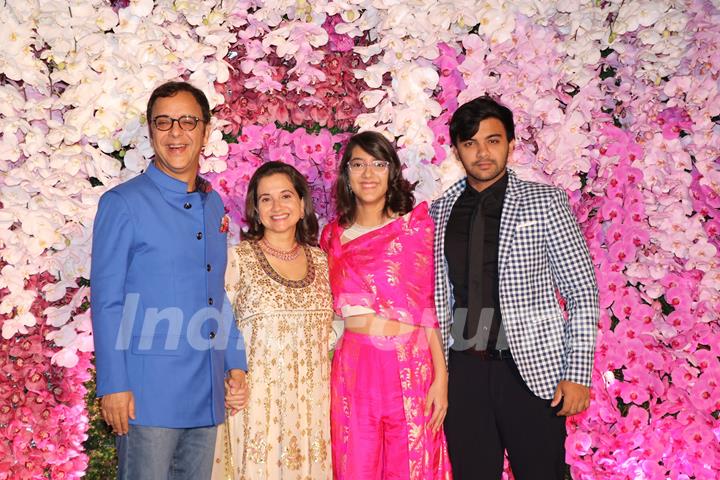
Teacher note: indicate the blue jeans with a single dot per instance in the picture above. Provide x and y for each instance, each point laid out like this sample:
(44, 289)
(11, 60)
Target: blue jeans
(155, 453)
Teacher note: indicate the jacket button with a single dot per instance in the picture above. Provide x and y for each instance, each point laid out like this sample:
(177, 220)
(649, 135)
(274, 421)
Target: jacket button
(209, 267)
(211, 335)
(199, 235)
(210, 301)
(187, 206)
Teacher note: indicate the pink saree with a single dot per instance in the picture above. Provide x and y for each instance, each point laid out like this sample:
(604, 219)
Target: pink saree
(389, 270)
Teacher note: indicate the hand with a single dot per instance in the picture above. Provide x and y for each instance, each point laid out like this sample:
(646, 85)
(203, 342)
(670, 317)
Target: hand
(437, 402)
(116, 408)
(236, 391)
(575, 398)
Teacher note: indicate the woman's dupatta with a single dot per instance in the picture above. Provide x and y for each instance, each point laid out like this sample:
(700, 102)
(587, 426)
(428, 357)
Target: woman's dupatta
(389, 270)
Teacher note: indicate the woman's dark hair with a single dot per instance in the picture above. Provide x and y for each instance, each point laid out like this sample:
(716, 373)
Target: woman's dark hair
(466, 120)
(399, 198)
(170, 89)
(307, 228)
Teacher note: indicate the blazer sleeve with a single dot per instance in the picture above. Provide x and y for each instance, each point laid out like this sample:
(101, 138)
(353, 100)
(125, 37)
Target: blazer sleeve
(111, 256)
(574, 275)
(235, 355)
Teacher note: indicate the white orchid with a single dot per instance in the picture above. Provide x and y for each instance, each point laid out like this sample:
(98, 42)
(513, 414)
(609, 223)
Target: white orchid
(497, 21)
(140, 8)
(212, 164)
(371, 98)
(66, 357)
(56, 291)
(135, 161)
(373, 74)
(413, 83)
(425, 175)
(18, 324)
(213, 153)
(63, 337)
(450, 171)
(16, 35)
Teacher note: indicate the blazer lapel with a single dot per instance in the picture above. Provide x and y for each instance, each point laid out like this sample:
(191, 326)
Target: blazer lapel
(508, 220)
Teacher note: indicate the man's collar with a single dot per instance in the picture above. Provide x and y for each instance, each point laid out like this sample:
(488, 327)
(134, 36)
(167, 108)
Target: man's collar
(167, 182)
(457, 188)
(496, 190)
(512, 183)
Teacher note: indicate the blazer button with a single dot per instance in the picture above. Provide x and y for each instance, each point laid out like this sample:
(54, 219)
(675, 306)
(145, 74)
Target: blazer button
(209, 267)
(211, 335)
(187, 206)
(199, 235)
(210, 301)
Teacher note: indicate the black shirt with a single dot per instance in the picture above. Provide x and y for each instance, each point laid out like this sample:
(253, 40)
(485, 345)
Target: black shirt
(472, 206)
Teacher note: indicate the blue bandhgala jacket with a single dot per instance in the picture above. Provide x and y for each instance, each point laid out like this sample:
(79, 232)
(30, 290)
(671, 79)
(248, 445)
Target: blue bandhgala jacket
(162, 325)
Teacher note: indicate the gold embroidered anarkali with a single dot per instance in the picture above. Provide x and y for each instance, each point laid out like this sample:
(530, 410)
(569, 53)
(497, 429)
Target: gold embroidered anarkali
(284, 432)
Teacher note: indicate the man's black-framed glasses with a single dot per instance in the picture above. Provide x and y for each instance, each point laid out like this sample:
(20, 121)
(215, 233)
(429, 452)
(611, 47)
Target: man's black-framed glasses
(186, 122)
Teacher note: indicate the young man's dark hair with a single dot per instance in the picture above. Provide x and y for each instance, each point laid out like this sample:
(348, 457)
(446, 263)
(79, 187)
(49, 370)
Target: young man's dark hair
(170, 89)
(466, 119)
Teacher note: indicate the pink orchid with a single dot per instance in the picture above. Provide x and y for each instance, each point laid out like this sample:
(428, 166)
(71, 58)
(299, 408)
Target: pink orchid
(337, 42)
(679, 298)
(621, 144)
(622, 252)
(442, 138)
(578, 444)
(673, 121)
(315, 147)
(612, 211)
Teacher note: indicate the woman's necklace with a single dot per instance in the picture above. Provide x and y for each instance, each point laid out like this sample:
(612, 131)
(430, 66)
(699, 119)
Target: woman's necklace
(355, 230)
(285, 255)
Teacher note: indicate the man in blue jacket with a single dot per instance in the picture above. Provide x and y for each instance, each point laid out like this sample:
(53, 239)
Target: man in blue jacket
(166, 343)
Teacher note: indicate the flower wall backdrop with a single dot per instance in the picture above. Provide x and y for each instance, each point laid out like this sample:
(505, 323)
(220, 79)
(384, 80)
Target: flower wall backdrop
(616, 102)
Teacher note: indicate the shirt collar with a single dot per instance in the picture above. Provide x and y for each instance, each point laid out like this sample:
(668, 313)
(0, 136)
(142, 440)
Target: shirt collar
(167, 182)
(496, 190)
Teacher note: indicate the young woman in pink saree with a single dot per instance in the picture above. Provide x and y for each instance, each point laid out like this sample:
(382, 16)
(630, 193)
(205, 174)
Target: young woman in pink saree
(389, 379)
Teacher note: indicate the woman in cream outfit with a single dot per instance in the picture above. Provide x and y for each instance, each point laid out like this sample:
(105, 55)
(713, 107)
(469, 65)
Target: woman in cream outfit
(278, 284)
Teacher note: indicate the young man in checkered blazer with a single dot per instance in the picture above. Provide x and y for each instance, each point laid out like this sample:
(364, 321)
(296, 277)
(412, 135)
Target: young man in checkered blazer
(518, 364)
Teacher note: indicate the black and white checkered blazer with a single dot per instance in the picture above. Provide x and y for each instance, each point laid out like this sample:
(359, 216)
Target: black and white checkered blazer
(541, 249)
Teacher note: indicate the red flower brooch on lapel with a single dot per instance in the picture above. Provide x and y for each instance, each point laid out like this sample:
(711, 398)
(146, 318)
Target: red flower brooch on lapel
(225, 224)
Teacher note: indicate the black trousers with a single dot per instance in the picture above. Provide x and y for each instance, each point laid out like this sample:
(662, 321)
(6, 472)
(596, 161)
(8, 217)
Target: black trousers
(490, 409)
